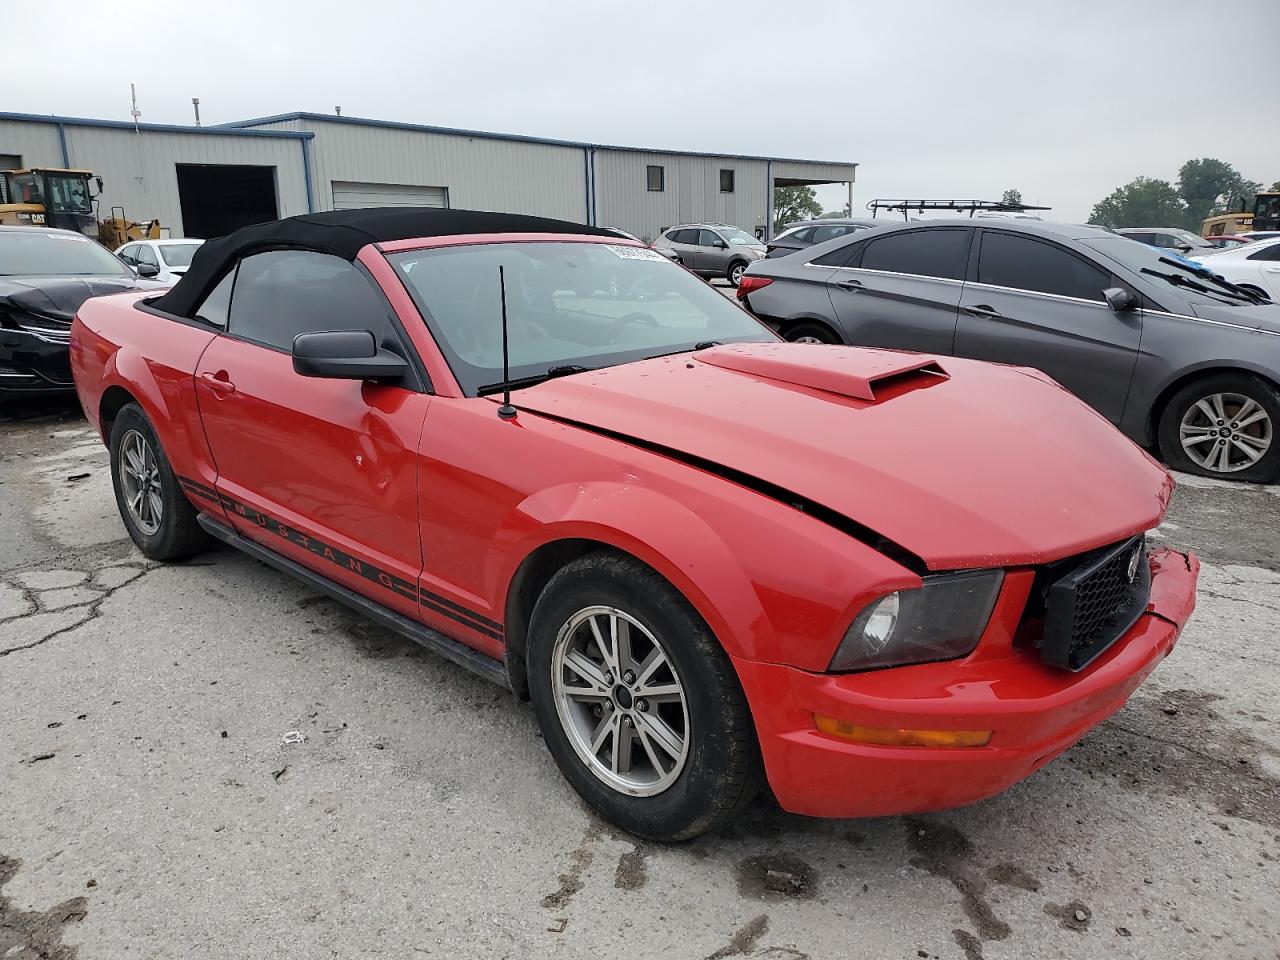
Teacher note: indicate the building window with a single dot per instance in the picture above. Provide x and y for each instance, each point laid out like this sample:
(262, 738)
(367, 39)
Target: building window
(726, 181)
(657, 180)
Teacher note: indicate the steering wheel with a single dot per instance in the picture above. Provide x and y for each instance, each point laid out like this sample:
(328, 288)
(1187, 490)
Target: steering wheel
(636, 317)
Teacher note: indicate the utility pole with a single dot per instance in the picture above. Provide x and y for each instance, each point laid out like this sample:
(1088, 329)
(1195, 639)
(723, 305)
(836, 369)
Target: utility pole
(195, 105)
(133, 110)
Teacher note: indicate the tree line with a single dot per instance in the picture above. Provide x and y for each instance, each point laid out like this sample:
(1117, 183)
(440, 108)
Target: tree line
(1204, 188)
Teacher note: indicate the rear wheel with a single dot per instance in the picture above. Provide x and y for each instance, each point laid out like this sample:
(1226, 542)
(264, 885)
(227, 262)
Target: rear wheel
(811, 333)
(736, 270)
(637, 701)
(1224, 426)
(155, 511)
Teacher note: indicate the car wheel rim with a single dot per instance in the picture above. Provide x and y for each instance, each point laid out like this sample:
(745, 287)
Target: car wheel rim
(1226, 432)
(620, 701)
(736, 274)
(807, 338)
(140, 480)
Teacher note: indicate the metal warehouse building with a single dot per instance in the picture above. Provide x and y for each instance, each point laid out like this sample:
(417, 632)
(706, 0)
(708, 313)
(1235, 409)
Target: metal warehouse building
(206, 181)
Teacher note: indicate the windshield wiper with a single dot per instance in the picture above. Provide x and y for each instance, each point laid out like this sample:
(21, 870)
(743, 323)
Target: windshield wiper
(560, 370)
(1178, 280)
(1204, 273)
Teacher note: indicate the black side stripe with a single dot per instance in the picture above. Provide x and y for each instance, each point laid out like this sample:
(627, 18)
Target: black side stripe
(388, 581)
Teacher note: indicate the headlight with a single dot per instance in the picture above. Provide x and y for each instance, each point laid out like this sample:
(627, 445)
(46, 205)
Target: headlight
(942, 620)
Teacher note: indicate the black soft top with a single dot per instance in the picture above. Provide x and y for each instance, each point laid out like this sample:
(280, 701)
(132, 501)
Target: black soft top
(343, 233)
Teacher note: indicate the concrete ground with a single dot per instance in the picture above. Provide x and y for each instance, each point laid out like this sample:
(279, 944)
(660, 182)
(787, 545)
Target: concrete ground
(149, 807)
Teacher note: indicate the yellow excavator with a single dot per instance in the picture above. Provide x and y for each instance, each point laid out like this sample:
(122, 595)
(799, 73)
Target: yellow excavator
(65, 198)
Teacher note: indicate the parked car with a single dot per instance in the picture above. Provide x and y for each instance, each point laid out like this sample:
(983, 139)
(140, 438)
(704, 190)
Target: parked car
(1173, 239)
(627, 235)
(45, 275)
(808, 232)
(161, 260)
(1253, 266)
(1172, 355)
(711, 249)
(707, 566)
(1225, 241)
(1259, 235)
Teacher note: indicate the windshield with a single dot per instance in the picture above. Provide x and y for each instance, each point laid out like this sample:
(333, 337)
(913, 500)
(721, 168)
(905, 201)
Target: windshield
(739, 238)
(1267, 207)
(27, 252)
(569, 304)
(1160, 268)
(1192, 239)
(67, 194)
(178, 254)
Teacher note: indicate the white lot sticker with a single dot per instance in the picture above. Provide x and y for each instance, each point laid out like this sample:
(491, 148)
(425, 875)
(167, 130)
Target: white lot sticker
(69, 236)
(634, 253)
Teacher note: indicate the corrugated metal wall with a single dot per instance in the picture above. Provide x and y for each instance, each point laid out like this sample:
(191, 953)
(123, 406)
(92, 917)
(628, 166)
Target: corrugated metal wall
(139, 171)
(479, 173)
(691, 191)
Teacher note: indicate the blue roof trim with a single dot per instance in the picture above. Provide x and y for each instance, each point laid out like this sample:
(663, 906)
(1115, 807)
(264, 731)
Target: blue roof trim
(519, 138)
(217, 131)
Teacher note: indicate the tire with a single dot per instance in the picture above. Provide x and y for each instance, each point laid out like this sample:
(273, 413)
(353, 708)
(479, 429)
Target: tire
(1196, 410)
(735, 272)
(175, 532)
(811, 333)
(688, 791)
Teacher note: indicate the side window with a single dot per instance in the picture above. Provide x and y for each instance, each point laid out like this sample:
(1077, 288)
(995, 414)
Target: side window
(926, 253)
(805, 235)
(689, 236)
(126, 253)
(708, 238)
(217, 304)
(1266, 253)
(283, 293)
(146, 255)
(1006, 260)
(823, 234)
(841, 256)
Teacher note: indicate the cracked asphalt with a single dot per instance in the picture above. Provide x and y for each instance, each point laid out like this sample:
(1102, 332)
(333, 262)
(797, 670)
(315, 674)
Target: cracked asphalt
(150, 807)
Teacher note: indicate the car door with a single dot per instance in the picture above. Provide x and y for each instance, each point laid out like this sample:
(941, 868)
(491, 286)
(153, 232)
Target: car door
(322, 471)
(713, 252)
(1267, 262)
(685, 245)
(1035, 303)
(902, 289)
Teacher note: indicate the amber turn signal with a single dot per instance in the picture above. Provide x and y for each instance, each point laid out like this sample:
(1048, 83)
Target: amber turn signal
(882, 736)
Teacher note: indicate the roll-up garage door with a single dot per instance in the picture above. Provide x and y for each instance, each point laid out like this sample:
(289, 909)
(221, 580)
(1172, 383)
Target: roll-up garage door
(352, 196)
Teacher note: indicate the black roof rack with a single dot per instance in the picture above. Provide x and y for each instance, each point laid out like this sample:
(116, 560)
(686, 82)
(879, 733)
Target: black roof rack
(972, 206)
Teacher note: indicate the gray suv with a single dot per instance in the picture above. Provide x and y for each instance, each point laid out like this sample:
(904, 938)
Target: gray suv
(711, 249)
(1173, 355)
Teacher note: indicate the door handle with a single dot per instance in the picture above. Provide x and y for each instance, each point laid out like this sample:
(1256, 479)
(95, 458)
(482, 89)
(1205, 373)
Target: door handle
(218, 382)
(849, 284)
(982, 310)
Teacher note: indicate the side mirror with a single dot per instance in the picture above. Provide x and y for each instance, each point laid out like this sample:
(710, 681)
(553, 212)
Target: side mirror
(147, 269)
(1184, 247)
(1119, 299)
(345, 355)
(720, 245)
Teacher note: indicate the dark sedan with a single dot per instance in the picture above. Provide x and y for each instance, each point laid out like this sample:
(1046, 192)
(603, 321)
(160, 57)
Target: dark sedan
(45, 275)
(1173, 355)
(806, 233)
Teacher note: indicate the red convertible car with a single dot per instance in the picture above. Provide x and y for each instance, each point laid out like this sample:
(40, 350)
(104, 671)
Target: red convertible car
(709, 557)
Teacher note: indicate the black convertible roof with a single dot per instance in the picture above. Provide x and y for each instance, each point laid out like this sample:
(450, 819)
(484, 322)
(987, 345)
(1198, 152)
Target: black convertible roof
(343, 233)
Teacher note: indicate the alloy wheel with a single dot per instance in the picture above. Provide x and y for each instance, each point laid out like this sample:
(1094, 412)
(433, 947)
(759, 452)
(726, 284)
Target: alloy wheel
(1226, 432)
(620, 701)
(735, 275)
(140, 479)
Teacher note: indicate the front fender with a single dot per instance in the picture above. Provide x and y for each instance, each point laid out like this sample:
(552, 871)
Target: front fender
(656, 529)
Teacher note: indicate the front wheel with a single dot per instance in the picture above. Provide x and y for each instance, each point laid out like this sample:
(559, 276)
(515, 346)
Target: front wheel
(736, 270)
(637, 701)
(1224, 426)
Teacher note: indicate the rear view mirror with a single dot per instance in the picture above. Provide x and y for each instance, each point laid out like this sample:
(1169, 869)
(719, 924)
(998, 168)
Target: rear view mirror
(345, 355)
(1119, 299)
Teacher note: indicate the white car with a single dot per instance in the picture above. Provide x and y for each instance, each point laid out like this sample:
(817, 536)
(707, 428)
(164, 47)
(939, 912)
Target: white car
(169, 258)
(1255, 265)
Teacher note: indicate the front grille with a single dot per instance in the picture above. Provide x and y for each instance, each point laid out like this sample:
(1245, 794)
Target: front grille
(1090, 601)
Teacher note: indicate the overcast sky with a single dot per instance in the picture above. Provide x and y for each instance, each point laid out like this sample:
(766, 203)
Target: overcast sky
(1063, 99)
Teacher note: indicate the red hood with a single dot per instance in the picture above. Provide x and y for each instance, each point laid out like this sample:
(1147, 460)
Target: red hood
(966, 464)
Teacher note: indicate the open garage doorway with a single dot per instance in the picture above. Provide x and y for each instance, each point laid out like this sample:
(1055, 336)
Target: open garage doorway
(217, 198)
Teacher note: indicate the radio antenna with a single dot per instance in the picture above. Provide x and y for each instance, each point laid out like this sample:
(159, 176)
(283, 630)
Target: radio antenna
(506, 411)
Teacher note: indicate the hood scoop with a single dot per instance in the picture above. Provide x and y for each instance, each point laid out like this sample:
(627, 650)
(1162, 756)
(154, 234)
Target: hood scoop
(860, 374)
